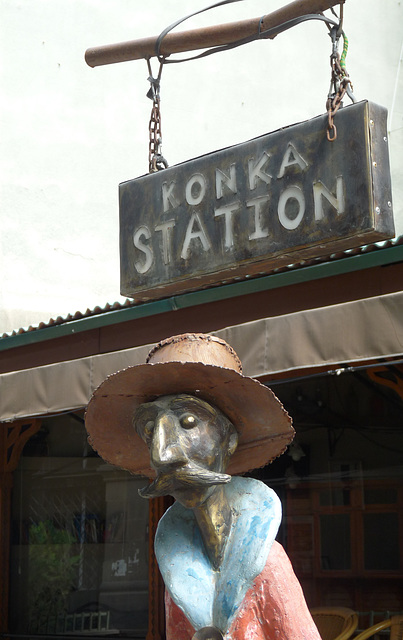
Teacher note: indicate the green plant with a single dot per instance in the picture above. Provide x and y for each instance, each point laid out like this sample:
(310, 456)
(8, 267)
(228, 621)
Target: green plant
(52, 569)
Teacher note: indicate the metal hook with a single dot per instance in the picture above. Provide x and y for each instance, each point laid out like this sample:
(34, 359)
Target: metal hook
(340, 28)
(335, 42)
(350, 93)
(154, 91)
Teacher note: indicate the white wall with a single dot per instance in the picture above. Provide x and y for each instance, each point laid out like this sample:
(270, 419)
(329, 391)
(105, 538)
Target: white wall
(69, 134)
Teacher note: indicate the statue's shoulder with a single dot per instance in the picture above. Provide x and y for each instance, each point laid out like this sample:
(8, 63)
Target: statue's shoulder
(253, 494)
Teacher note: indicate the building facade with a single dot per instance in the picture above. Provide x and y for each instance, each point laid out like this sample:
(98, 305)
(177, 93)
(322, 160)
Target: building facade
(327, 337)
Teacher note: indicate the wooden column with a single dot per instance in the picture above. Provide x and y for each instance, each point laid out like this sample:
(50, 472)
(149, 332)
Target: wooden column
(391, 377)
(156, 606)
(13, 437)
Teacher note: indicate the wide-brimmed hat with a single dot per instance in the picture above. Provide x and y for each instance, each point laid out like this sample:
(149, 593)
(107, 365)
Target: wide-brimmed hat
(200, 365)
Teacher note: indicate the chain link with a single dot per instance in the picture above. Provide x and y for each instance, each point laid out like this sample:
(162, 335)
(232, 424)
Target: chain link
(340, 83)
(333, 105)
(156, 160)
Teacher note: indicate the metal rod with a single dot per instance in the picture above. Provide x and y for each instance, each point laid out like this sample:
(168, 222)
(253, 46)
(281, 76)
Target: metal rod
(203, 38)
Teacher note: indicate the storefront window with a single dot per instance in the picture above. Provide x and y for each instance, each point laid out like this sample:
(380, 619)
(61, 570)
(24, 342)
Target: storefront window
(79, 554)
(341, 485)
(335, 541)
(381, 533)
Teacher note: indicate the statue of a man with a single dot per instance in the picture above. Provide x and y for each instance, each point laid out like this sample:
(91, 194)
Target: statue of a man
(182, 419)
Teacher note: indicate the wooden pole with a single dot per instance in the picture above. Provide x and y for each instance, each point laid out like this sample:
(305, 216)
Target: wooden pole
(203, 38)
(13, 437)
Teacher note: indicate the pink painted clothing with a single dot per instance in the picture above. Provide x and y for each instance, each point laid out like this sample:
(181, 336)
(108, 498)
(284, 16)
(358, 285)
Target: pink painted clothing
(274, 608)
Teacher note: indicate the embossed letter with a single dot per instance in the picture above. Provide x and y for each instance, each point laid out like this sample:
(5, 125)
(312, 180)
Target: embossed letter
(192, 235)
(338, 201)
(195, 195)
(227, 213)
(291, 193)
(145, 265)
(222, 178)
(257, 204)
(292, 157)
(165, 228)
(168, 198)
(256, 172)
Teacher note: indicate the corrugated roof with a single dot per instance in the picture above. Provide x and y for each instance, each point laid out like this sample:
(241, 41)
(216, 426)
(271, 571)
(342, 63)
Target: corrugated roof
(78, 315)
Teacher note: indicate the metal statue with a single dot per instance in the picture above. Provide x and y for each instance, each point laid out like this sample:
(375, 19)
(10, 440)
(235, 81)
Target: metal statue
(184, 419)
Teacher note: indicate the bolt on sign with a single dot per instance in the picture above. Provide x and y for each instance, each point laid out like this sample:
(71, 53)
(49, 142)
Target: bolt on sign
(243, 211)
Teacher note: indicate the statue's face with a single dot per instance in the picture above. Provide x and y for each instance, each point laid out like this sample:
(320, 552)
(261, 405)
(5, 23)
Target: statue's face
(190, 443)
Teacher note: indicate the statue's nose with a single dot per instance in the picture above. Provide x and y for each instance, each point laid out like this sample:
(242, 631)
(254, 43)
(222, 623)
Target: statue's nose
(165, 447)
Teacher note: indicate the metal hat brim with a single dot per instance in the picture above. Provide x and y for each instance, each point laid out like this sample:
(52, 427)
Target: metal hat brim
(263, 425)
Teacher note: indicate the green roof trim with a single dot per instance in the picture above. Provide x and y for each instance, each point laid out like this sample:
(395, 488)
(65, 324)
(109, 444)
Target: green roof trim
(372, 257)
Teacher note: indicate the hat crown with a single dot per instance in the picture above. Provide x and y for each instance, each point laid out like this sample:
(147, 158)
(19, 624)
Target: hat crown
(195, 347)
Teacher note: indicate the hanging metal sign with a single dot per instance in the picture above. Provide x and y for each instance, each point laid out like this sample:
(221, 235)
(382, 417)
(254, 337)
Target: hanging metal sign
(276, 200)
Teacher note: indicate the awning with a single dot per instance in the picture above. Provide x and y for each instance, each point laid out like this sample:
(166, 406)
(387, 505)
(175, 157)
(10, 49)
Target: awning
(340, 334)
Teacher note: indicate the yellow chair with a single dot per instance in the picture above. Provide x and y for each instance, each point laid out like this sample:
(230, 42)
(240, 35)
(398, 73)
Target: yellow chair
(335, 623)
(395, 624)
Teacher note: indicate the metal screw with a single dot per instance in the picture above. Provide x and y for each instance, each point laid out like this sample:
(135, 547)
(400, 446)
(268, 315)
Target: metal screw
(385, 138)
(374, 164)
(372, 122)
(389, 203)
(377, 209)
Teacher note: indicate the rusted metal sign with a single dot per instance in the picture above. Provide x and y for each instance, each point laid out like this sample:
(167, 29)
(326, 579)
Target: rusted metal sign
(279, 199)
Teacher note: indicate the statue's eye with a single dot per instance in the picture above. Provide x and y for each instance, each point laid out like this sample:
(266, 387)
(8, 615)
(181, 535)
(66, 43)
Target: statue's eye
(147, 431)
(144, 421)
(188, 421)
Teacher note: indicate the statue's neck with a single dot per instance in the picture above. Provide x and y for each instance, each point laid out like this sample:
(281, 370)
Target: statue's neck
(214, 520)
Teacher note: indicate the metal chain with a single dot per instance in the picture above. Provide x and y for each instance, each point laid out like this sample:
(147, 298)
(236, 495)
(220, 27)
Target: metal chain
(156, 160)
(340, 82)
